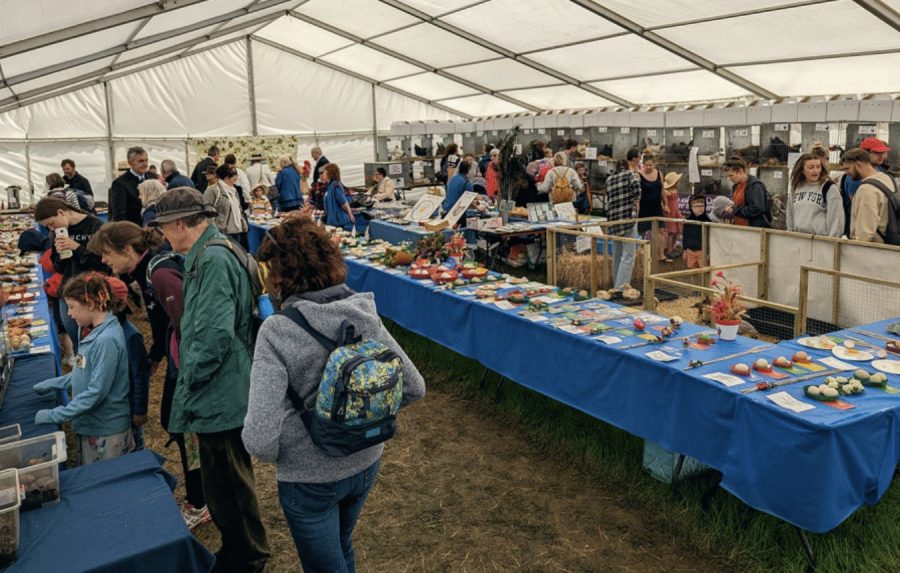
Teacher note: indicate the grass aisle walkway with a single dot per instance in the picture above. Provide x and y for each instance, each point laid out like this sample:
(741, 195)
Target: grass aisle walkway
(728, 532)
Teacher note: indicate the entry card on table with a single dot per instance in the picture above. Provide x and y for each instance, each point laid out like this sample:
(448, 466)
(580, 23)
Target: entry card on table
(785, 400)
(661, 356)
(726, 379)
(838, 364)
(608, 339)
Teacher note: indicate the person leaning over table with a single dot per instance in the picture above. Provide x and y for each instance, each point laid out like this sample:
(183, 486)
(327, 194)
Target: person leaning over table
(214, 376)
(337, 207)
(132, 253)
(57, 214)
(457, 185)
(383, 190)
(321, 495)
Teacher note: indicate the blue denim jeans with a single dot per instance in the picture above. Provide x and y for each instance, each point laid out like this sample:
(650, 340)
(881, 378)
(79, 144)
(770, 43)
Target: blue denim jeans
(623, 258)
(321, 517)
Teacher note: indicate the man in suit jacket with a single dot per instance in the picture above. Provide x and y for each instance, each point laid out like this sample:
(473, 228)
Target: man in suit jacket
(199, 174)
(321, 161)
(124, 199)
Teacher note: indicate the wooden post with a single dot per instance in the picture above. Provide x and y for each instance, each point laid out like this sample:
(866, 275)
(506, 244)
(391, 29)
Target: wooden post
(705, 263)
(836, 283)
(551, 257)
(593, 266)
(654, 241)
(762, 277)
(800, 318)
(649, 285)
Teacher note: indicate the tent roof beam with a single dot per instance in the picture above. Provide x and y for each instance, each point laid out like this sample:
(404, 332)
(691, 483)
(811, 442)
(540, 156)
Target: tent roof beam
(670, 46)
(425, 67)
(403, 7)
(34, 74)
(79, 82)
(98, 25)
(881, 11)
(360, 77)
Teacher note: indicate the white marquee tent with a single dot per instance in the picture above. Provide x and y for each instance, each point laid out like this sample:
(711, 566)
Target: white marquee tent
(87, 78)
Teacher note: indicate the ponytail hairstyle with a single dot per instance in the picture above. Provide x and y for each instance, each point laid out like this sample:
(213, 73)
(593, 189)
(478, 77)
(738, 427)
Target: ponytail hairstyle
(92, 288)
(117, 235)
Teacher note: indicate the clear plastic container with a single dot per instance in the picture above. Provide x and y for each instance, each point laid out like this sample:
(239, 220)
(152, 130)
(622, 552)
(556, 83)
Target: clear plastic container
(37, 460)
(10, 434)
(9, 516)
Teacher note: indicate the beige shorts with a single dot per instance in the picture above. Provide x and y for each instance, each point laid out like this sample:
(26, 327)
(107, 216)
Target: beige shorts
(694, 259)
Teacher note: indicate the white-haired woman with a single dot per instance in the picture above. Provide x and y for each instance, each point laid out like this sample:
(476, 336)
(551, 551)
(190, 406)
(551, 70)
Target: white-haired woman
(288, 183)
(150, 191)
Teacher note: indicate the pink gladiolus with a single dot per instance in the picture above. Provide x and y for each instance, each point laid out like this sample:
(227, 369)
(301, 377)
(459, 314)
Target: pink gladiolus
(714, 283)
(720, 274)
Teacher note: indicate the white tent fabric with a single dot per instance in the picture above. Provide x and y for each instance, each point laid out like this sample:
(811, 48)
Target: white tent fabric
(133, 70)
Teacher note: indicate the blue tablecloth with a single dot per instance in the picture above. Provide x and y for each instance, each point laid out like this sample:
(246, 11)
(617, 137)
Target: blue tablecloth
(255, 235)
(113, 516)
(396, 234)
(21, 402)
(812, 469)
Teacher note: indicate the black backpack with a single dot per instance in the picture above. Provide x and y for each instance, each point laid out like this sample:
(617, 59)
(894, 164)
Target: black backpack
(254, 273)
(891, 234)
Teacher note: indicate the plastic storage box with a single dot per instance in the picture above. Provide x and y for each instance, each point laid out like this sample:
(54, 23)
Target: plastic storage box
(661, 463)
(37, 460)
(10, 434)
(9, 516)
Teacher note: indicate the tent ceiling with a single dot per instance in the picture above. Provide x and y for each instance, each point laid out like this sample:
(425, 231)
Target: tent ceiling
(478, 57)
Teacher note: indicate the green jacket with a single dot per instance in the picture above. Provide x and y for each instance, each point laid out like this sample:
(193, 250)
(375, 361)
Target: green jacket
(214, 377)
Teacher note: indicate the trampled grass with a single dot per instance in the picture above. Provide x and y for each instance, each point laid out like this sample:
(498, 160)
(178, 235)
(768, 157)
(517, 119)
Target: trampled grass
(704, 517)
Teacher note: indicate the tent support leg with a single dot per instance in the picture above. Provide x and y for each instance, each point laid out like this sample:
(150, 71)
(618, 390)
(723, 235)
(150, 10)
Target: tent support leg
(808, 550)
(679, 464)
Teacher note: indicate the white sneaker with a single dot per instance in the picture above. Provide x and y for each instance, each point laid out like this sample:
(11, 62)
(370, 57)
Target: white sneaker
(194, 517)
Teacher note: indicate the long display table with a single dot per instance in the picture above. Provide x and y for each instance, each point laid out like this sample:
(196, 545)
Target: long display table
(812, 469)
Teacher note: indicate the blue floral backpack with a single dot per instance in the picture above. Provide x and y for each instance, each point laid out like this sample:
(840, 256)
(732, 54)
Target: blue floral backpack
(359, 396)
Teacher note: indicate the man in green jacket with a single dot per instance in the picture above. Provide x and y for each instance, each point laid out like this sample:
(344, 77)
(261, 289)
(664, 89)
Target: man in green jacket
(214, 377)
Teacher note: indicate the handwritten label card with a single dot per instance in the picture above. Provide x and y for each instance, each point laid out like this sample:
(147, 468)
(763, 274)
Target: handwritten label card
(785, 400)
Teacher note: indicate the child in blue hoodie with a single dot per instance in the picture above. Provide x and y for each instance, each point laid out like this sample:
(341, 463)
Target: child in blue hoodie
(99, 409)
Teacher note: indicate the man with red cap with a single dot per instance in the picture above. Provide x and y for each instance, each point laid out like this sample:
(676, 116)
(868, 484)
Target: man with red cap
(878, 152)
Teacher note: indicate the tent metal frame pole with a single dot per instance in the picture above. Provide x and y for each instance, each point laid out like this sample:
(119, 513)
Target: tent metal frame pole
(162, 36)
(70, 32)
(412, 61)
(98, 76)
(107, 95)
(360, 77)
(374, 126)
(251, 83)
(881, 11)
(28, 164)
(674, 48)
(403, 7)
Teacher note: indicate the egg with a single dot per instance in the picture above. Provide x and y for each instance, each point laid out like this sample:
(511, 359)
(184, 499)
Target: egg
(849, 344)
(740, 368)
(861, 374)
(878, 378)
(801, 356)
(823, 387)
(814, 390)
(782, 362)
(830, 393)
(761, 364)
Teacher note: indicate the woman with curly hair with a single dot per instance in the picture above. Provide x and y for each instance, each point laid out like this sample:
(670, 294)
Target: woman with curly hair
(321, 495)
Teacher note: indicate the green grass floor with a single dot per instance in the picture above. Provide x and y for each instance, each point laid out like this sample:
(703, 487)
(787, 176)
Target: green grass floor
(707, 517)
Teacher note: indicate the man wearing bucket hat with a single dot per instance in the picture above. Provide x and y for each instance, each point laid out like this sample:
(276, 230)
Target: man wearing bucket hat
(214, 379)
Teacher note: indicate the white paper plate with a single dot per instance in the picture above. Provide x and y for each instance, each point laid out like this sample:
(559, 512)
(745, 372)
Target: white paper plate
(844, 354)
(816, 342)
(889, 366)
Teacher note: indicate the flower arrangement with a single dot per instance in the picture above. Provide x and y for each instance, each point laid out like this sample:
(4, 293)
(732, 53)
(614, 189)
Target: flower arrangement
(456, 246)
(431, 247)
(725, 306)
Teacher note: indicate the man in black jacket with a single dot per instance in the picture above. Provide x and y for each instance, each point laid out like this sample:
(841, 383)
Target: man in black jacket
(172, 178)
(321, 161)
(124, 199)
(211, 160)
(74, 179)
